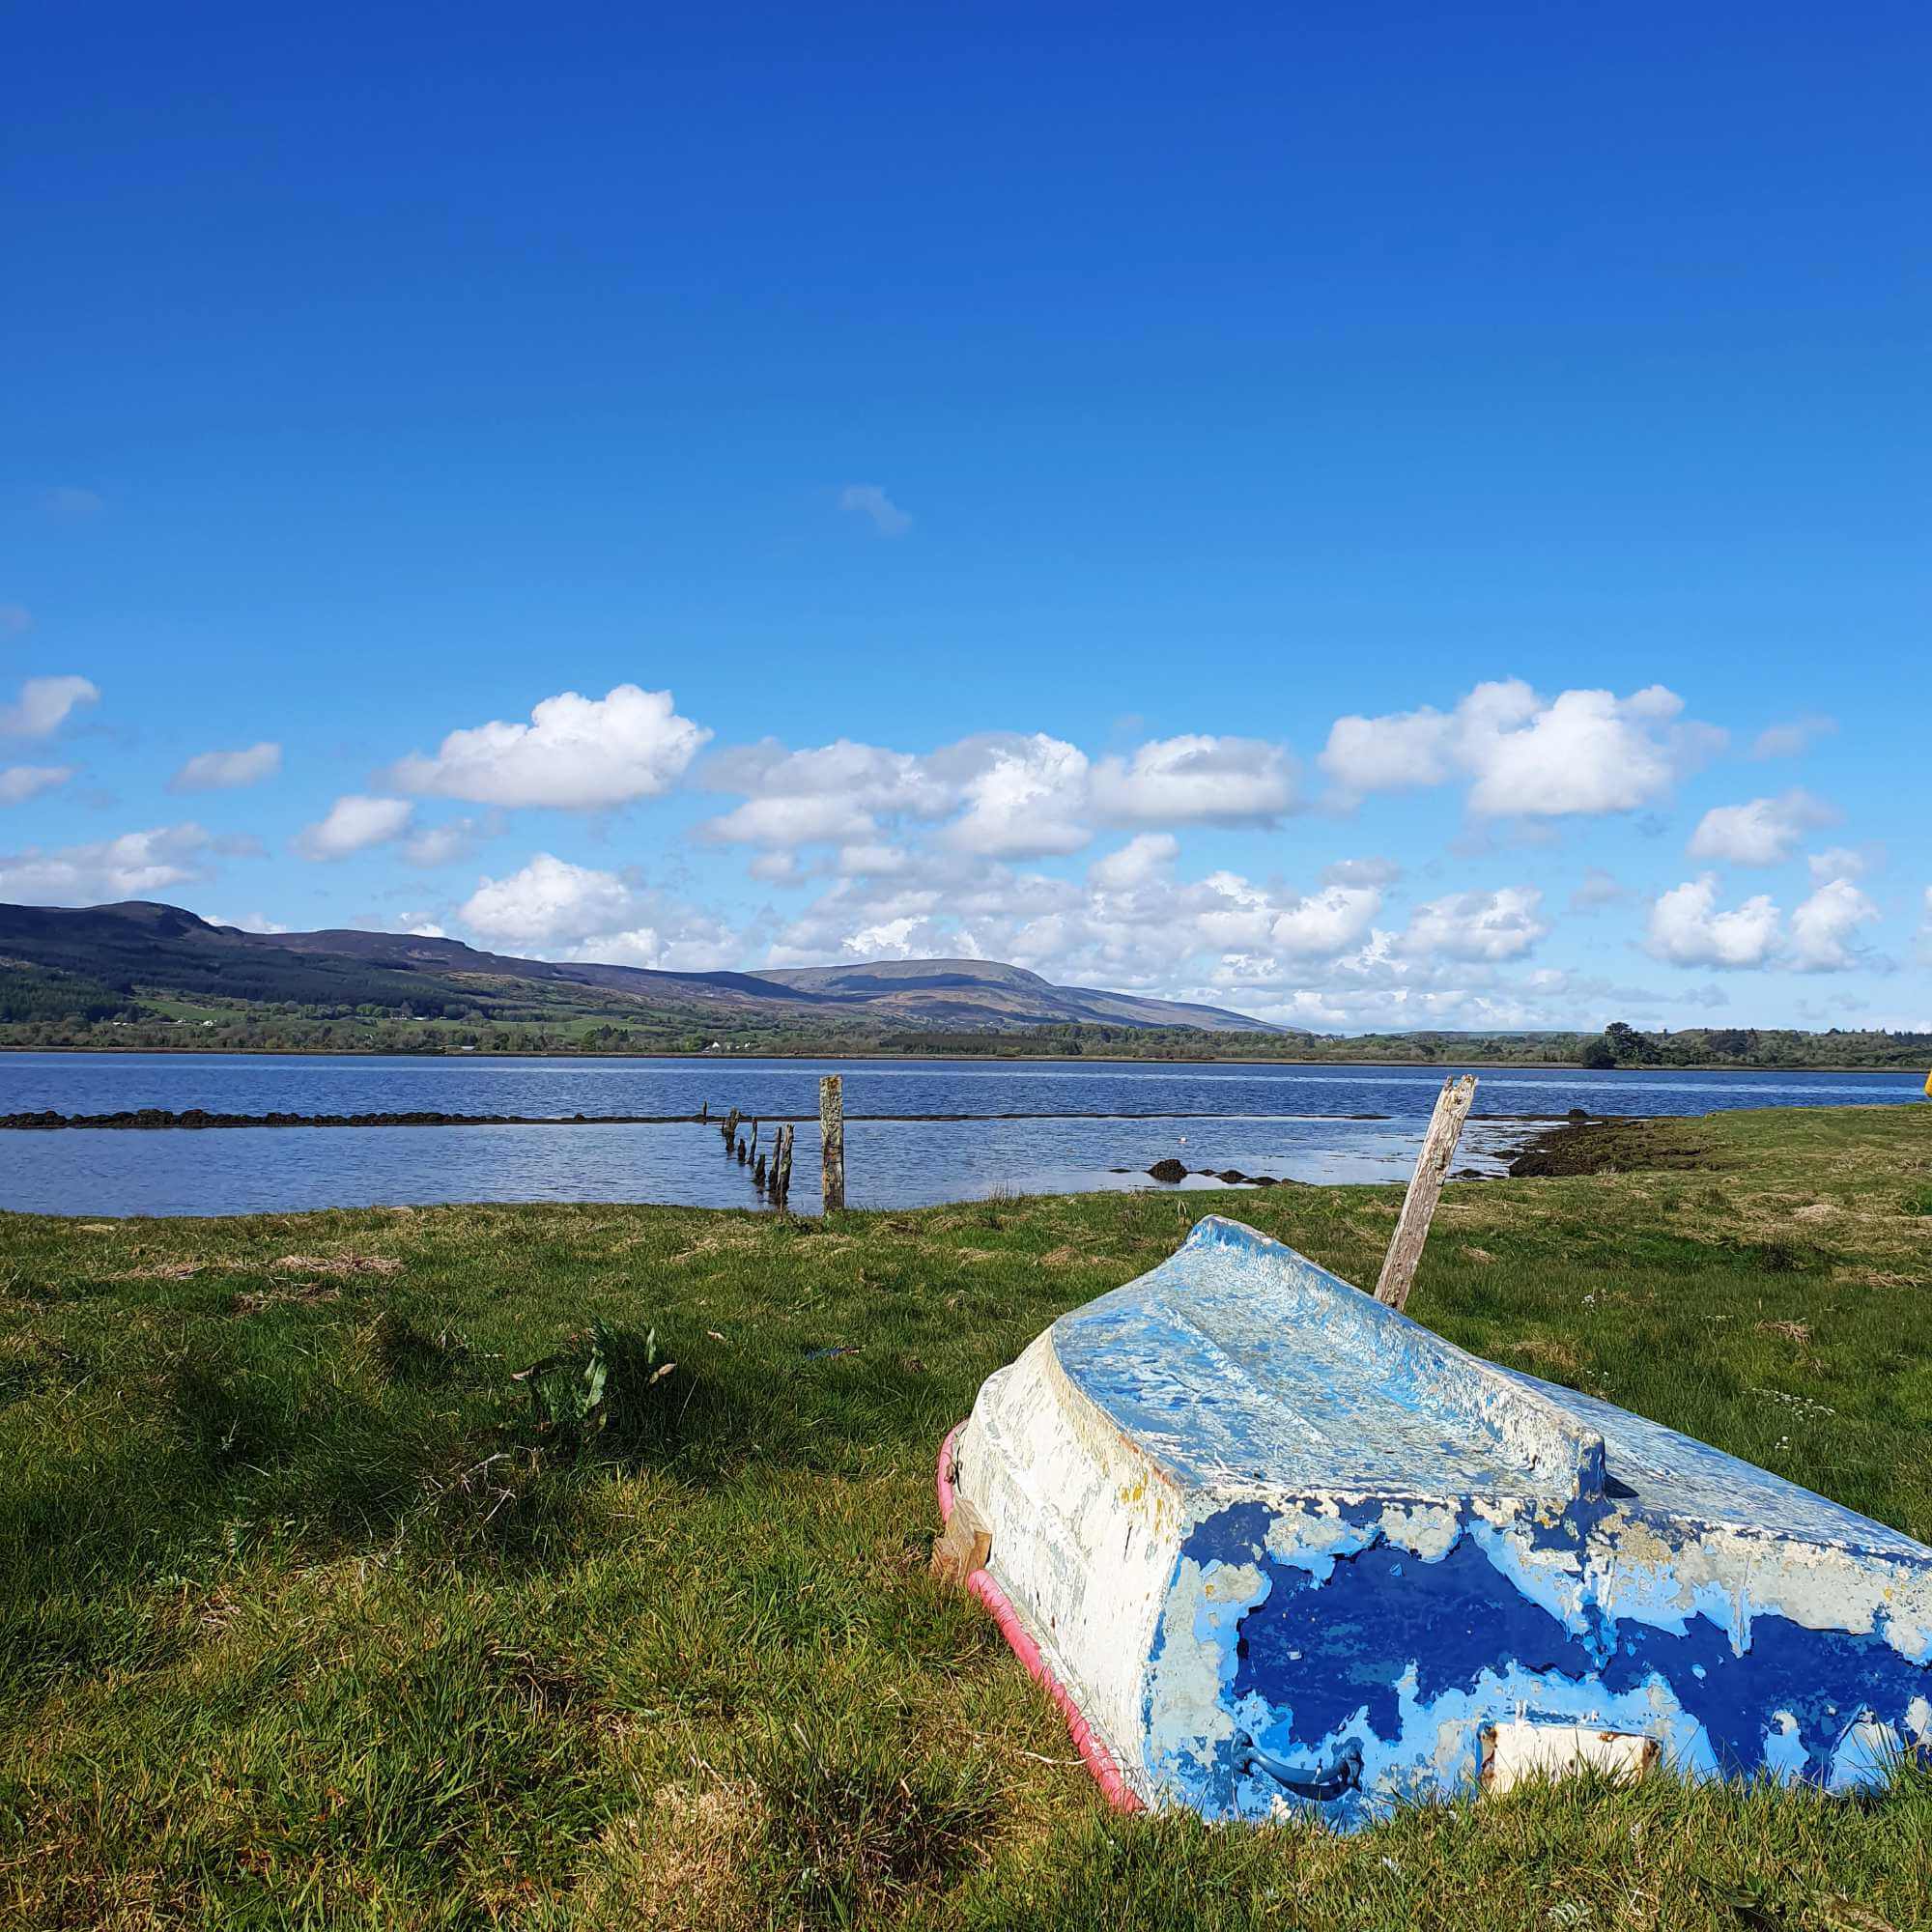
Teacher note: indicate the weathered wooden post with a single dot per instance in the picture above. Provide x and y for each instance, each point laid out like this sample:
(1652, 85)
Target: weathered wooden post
(730, 1130)
(704, 1112)
(758, 1174)
(1425, 1187)
(783, 1185)
(831, 1135)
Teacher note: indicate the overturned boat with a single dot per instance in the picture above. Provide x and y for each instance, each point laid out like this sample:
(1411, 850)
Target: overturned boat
(1276, 1547)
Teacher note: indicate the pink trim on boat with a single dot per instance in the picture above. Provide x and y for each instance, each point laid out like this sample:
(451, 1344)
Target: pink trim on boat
(1096, 1757)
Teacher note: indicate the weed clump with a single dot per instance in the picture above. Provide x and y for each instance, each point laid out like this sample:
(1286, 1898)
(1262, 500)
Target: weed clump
(607, 1384)
(861, 1812)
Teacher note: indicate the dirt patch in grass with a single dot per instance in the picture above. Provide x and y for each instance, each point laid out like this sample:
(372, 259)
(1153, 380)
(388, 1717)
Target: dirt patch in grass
(343, 1263)
(682, 1863)
(251, 1301)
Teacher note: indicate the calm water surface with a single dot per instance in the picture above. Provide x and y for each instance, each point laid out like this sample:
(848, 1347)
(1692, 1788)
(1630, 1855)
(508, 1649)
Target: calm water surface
(1291, 1122)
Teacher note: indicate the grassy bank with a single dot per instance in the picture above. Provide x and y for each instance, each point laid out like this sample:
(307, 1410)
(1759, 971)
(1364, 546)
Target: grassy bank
(304, 1620)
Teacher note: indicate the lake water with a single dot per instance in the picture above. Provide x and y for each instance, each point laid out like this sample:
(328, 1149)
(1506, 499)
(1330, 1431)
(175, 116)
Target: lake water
(1290, 1121)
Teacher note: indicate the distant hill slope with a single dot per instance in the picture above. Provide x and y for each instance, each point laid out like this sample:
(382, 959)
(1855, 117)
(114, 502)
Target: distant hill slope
(162, 949)
(948, 992)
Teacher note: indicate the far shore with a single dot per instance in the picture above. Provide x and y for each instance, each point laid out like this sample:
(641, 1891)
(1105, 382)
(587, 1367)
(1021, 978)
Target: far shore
(861, 1057)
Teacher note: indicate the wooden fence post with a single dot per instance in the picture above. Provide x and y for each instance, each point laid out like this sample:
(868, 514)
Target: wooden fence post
(832, 1132)
(1432, 1168)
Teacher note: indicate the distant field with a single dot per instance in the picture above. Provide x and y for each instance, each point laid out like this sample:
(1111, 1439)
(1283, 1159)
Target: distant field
(303, 1621)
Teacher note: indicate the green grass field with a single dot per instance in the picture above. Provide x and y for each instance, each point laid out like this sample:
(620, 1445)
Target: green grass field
(305, 1621)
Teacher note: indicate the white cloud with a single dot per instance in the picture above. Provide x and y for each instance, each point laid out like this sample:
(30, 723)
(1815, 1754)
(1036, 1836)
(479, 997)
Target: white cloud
(248, 922)
(354, 824)
(1025, 796)
(1787, 741)
(1580, 753)
(833, 794)
(548, 900)
(576, 753)
(1840, 862)
(224, 771)
(1403, 752)
(1687, 929)
(1196, 780)
(16, 620)
(1822, 927)
(21, 783)
(137, 864)
(43, 705)
(1016, 794)
(558, 910)
(1764, 832)
(1141, 859)
(867, 499)
(1503, 924)
(1326, 923)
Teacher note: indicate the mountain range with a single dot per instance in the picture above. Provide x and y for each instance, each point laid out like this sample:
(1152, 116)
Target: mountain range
(138, 947)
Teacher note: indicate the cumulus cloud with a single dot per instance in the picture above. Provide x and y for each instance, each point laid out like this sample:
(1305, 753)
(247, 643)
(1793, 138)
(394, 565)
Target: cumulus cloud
(1141, 859)
(1824, 926)
(1842, 862)
(1687, 928)
(135, 866)
(576, 753)
(559, 910)
(548, 900)
(1524, 756)
(871, 501)
(1196, 780)
(1787, 741)
(1324, 922)
(1763, 832)
(21, 783)
(354, 823)
(1025, 797)
(1503, 924)
(224, 771)
(1010, 794)
(833, 795)
(43, 707)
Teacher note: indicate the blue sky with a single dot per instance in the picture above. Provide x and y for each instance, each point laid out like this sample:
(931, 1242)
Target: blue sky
(1373, 517)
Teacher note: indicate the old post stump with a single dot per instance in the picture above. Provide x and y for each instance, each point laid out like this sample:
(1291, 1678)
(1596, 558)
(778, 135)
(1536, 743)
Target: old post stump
(1418, 1206)
(831, 1135)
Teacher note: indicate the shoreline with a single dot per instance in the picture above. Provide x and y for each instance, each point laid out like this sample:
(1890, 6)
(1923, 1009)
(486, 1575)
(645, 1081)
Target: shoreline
(1446, 1066)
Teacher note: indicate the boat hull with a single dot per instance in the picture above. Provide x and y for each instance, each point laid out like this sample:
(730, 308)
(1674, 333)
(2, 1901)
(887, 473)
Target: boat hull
(1284, 1550)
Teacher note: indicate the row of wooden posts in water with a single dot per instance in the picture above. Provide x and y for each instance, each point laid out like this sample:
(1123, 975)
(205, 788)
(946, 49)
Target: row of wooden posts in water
(771, 1172)
(771, 1166)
